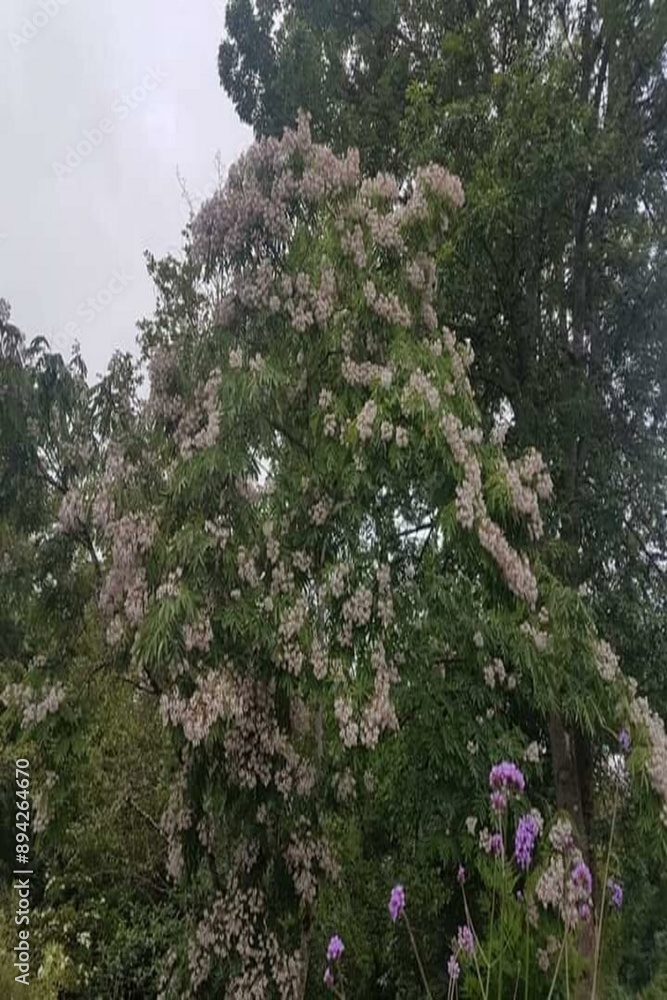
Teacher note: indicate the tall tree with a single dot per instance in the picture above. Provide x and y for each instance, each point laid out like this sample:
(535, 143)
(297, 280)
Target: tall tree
(554, 115)
(311, 539)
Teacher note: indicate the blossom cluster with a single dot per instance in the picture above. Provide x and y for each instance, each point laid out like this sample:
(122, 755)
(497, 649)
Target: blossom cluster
(35, 706)
(528, 830)
(641, 717)
(234, 926)
(308, 857)
(566, 884)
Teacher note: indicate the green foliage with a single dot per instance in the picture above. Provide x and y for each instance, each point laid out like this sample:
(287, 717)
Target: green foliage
(554, 117)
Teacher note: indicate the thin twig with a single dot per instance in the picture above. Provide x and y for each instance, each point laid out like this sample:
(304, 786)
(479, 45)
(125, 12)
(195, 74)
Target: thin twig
(149, 819)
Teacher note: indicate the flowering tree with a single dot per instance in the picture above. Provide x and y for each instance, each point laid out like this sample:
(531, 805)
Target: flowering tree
(553, 116)
(310, 540)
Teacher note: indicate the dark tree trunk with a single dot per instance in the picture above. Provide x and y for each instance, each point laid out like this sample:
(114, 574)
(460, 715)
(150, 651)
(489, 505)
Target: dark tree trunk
(567, 777)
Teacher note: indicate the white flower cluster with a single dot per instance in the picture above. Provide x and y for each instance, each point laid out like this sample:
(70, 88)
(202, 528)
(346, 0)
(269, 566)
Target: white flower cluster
(35, 705)
(642, 718)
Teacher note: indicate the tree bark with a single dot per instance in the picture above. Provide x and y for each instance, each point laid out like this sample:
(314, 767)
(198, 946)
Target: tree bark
(566, 776)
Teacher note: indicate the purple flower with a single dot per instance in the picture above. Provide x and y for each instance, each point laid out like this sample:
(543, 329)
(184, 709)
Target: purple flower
(335, 949)
(496, 844)
(616, 892)
(328, 978)
(582, 878)
(453, 968)
(461, 875)
(506, 776)
(397, 902)
(498, 802)
(585, 912)
(527, 832)
(466, 940)
(624, 740)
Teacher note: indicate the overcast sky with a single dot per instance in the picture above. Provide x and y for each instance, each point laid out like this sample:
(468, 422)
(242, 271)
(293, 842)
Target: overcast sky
(133, 84)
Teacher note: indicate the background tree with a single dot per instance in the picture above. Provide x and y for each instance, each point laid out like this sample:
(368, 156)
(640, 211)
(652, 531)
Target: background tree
(99, 895)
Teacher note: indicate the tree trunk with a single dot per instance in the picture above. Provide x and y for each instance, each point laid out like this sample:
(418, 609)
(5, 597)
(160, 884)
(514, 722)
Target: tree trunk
(567, 777)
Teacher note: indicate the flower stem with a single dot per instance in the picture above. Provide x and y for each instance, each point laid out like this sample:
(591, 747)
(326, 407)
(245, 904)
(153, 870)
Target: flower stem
(472, 926)
(419, 961)
(484, 989)
(488, 964)
(525, 989)
(598, 933)
(503, 830)
(560, 955)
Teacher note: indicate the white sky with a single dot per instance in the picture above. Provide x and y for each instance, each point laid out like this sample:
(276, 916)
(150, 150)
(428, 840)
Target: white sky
(62, 238)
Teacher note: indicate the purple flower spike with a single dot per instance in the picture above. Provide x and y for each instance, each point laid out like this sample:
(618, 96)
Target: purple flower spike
(506, 776)
(397, 902)
(527, 832)
(328, 978)
(335, 949)
(585, 912)
(624, 741)
(616, 892)
(461, 875)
